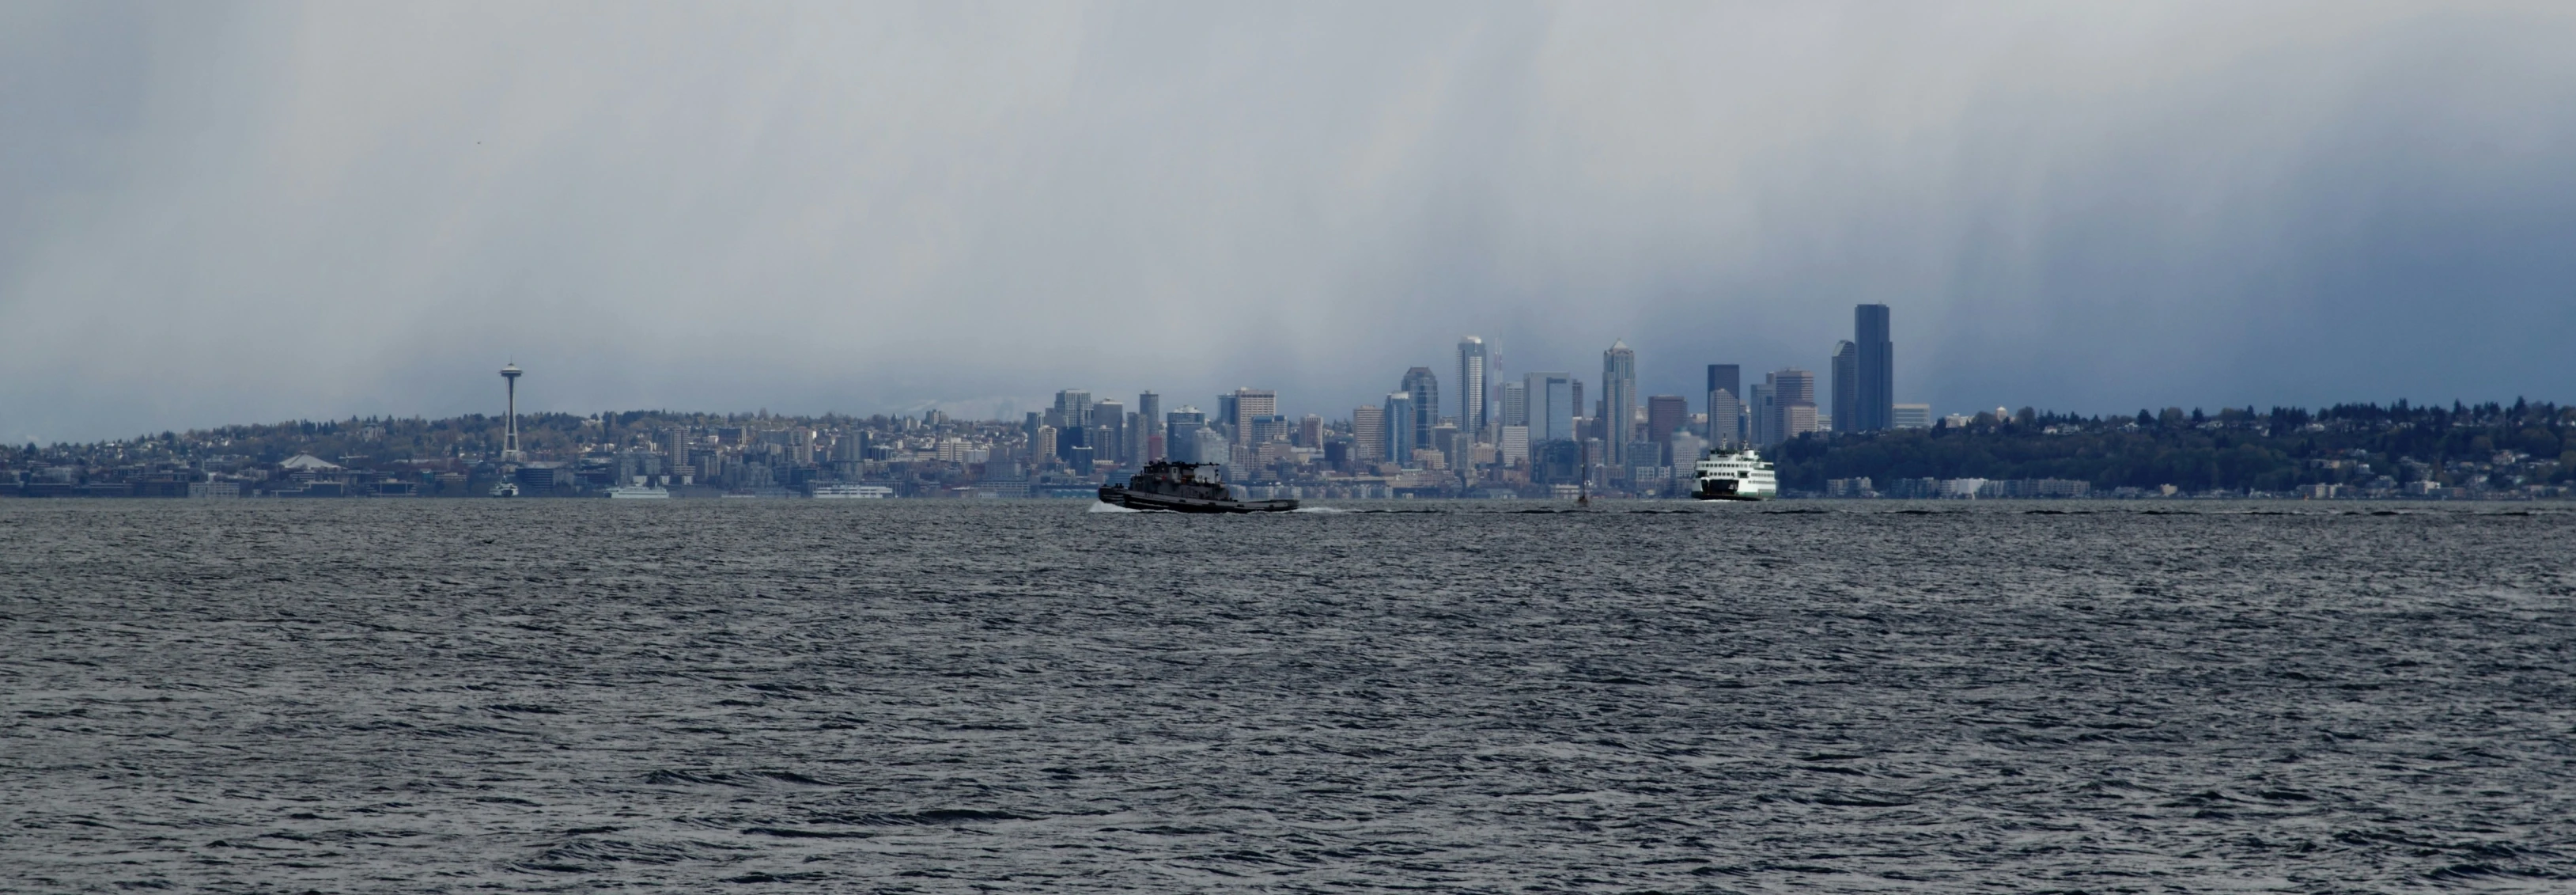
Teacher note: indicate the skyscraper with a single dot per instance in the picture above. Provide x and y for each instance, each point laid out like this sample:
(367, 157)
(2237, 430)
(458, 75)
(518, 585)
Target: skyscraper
(1471, 385)
(1149, 406)
(1145, 436)
(1069, 437)
(1181, 430)
(1425, 391)
(1400, 437)
(1268, 429)
(1727, 429)
(1512, 445)
(1846, 386)
(1725, 418)
(1726, 376)
(1073, 406)
(1213, 448)
(1792, 385)
(1618, 400)
(1551, 399)
(1665, 415)
(1368, 433)
(1515, 404)
(1109, 423)
(1874, 395)
(1246, 405)
(1798, 419)
(1452, 445)
(1761, 418)
(1792, 409)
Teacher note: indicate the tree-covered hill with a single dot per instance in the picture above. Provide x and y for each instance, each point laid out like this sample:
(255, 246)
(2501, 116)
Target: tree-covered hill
(2235, 449)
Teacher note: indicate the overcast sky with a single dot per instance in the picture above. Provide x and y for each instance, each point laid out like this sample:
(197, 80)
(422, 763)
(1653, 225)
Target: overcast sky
(217, 213)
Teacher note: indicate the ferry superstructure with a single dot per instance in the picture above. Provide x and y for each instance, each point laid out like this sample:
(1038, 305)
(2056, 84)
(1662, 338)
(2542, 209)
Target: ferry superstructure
(1735, 475)
(852, 492)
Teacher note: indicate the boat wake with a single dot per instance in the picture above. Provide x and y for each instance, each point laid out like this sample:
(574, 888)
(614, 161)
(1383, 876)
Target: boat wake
(1319, 510)
(1098, 507)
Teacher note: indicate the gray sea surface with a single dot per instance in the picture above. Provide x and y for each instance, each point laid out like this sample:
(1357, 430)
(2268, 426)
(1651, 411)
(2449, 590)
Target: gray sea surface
(554, 695)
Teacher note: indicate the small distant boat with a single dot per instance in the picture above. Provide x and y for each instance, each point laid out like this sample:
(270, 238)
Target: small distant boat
(1183, 488)
(852, 492)
(1736, 475)
(506, 489)
(639, 492)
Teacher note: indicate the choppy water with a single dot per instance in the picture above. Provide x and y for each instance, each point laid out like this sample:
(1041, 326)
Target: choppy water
(886, 695)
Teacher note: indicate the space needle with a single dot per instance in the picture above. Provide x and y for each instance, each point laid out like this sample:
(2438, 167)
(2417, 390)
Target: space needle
(510, 427)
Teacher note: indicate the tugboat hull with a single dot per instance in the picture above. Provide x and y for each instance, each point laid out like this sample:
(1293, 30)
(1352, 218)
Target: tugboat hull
(1143, 500)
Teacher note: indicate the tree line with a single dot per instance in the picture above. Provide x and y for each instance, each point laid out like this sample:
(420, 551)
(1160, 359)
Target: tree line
(2234, 449)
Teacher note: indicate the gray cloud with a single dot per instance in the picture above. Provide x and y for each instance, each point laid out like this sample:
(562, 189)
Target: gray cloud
(228, 213)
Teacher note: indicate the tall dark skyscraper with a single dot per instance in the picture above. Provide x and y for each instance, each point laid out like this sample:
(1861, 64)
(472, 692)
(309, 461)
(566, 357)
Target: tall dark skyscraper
(1846, 386)
(1424, 387)
(1875, 393)
(1726, 376)
(1618, 398)
(1725, 414)
(1399, 434)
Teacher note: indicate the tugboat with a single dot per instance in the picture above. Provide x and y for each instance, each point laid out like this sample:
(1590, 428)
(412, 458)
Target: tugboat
(1736, 475)
(1179, 487)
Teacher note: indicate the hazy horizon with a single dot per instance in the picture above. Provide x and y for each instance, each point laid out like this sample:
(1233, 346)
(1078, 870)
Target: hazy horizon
(248, 213)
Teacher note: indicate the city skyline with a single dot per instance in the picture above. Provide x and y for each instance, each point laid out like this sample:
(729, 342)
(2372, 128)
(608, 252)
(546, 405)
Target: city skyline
(1527, 439)
(1816, 381)
(2084, 207)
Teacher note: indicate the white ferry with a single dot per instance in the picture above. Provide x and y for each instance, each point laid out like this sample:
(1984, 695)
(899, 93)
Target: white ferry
(639, 492)
(1735, 475)
(852, 492)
